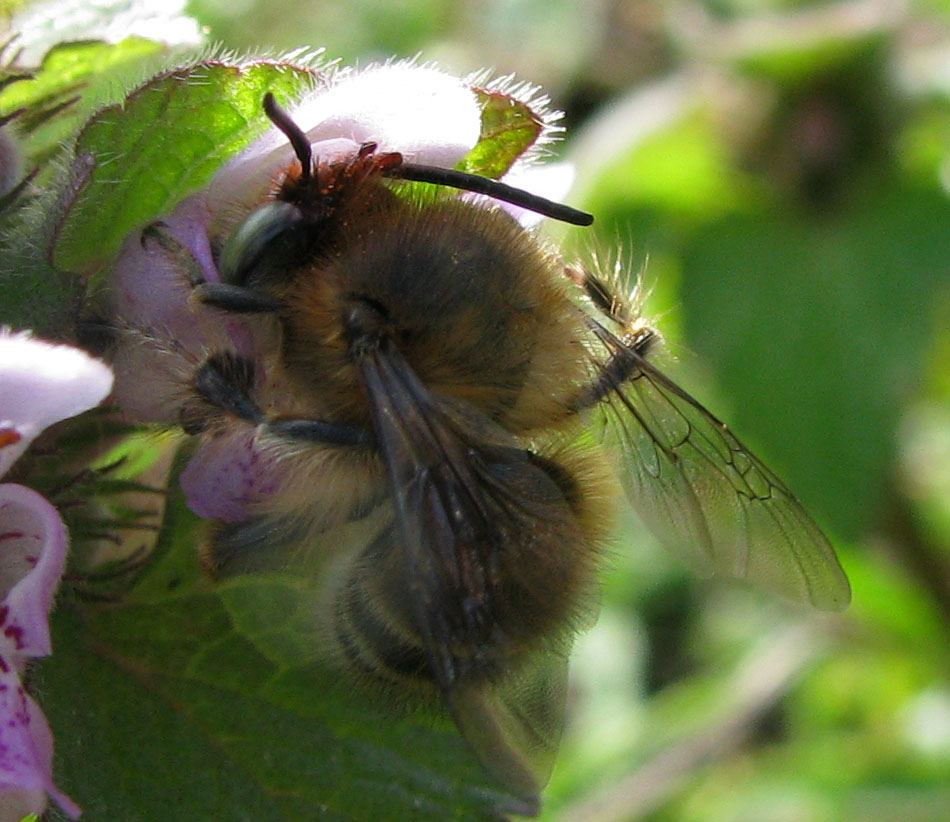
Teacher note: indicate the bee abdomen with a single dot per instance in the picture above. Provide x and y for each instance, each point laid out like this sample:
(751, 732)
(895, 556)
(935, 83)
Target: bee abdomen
(367, 638)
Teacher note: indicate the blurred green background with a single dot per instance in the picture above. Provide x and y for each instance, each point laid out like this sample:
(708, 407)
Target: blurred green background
(778, 174)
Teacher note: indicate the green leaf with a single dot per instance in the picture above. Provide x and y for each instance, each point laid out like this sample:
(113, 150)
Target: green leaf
(161, 144)
(70, 81)
(169, 704)
(509, 128)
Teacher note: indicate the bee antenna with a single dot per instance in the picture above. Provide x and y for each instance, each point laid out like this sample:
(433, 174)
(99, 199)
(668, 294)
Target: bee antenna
(490, 188)
(297, 136)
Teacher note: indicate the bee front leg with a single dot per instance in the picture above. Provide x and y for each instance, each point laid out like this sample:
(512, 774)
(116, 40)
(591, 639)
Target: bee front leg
(236, 299)
(183, 257)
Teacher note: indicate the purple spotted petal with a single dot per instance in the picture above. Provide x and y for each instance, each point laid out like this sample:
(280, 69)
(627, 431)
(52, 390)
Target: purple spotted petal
(26, 749)
(229, 475)
(42, 383)
(32, 558)
(427, 115)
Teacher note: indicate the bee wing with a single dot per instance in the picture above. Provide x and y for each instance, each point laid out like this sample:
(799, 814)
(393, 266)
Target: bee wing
(465, 499)
(515, 727)
(707, 497)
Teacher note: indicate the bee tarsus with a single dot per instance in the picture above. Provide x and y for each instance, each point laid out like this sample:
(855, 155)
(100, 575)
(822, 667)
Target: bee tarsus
(225, 382)
(159, 233)
(317, 431)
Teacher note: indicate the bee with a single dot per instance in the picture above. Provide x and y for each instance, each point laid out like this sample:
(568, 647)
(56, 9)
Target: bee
(416, 389)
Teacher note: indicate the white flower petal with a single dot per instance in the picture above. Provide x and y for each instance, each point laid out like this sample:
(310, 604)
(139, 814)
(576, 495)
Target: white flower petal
(42, 383)
(427, 115)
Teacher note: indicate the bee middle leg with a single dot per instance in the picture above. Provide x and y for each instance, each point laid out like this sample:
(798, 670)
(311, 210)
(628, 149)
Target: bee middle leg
(223, 384)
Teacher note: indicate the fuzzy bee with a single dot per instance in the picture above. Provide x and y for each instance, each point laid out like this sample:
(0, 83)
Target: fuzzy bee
(395, 386)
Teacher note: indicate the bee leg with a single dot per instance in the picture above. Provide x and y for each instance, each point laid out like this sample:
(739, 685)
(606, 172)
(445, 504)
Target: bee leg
(318, 431)
(181, 255)
(237, 299)
(622, 365)
(628, 346)
(224, 383)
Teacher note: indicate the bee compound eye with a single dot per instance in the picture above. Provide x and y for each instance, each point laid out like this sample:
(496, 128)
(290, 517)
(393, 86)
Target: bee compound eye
(247, 243)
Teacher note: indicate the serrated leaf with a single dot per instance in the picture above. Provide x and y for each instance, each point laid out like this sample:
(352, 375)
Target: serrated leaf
(163, 143)
(509, 128)
(165, 706)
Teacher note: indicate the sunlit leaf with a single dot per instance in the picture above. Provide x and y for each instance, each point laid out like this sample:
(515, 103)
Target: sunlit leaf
(61, 91)
(509, 128)
(161, 144)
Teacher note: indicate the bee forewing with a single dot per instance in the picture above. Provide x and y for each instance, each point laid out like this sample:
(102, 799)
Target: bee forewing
(496, 570)
(710, 500)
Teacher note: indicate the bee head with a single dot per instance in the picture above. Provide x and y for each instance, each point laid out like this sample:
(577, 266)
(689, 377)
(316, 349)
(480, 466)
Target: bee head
(312, 194)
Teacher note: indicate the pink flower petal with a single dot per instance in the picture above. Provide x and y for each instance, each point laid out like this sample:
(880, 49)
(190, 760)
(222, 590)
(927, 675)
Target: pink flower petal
(26, 746)
(228, 475)
(149, 283)
(32, 558)
(42, 383)
(428, 115)
(165, 329)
